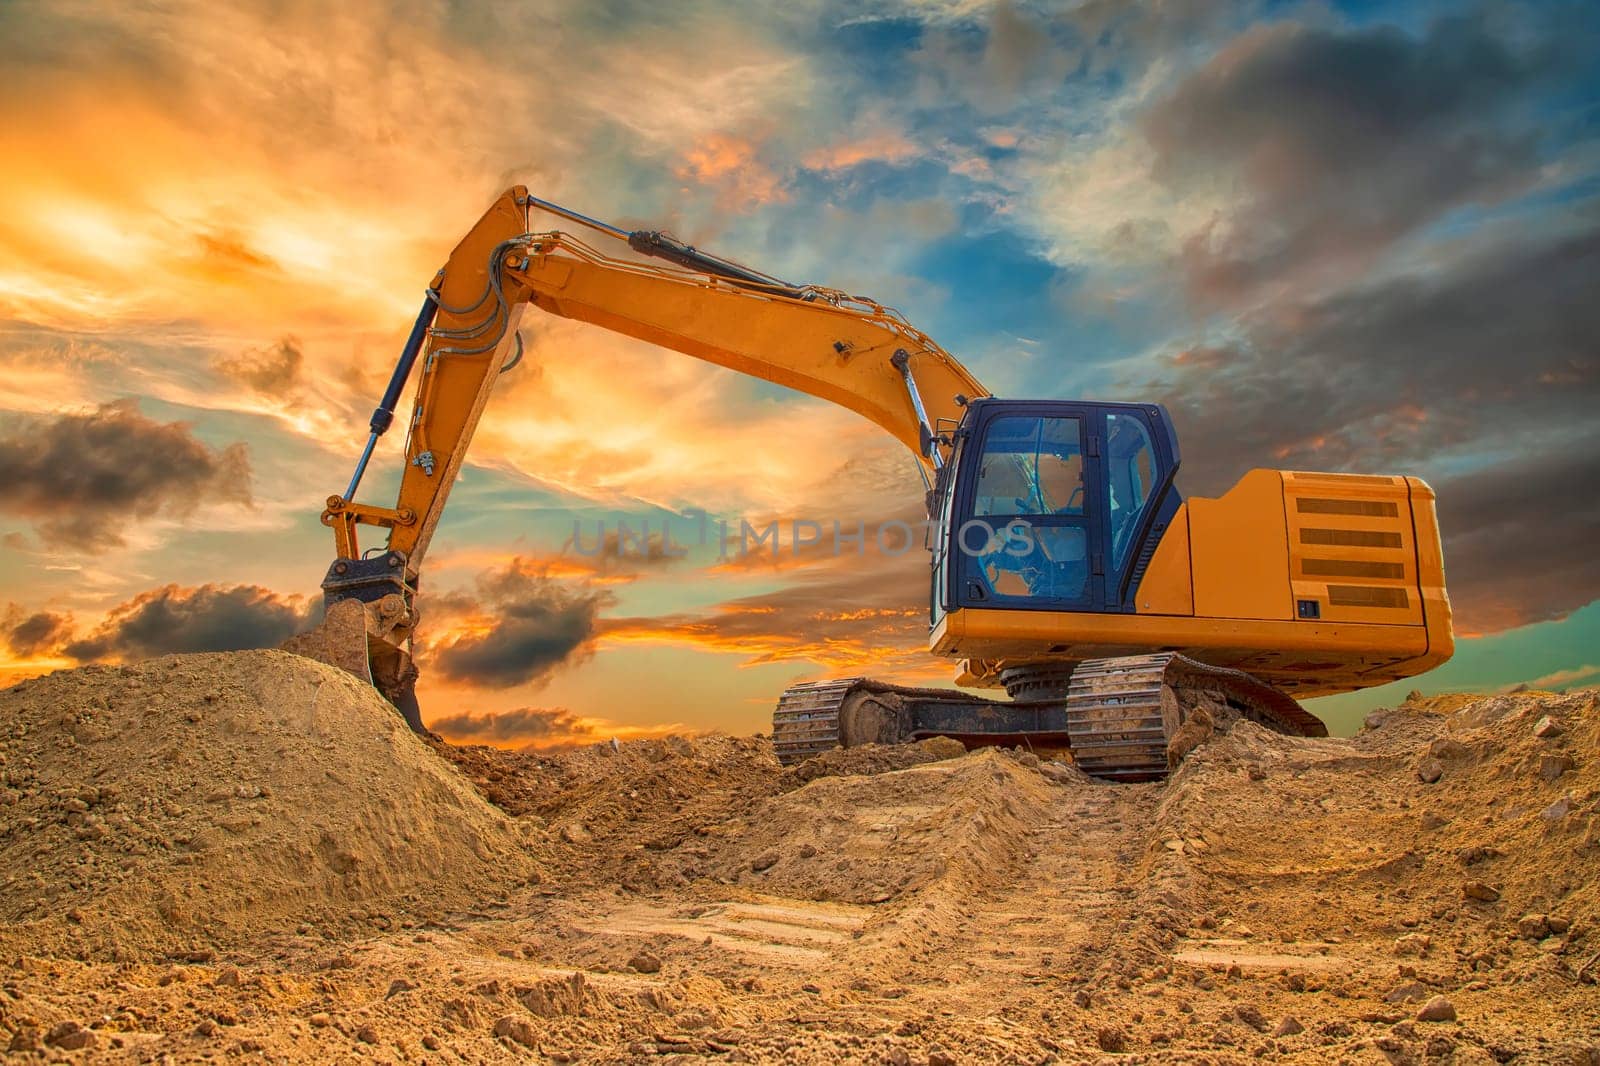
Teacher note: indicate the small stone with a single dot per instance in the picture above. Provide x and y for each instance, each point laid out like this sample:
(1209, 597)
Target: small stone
(575, 833)
(645, 962)
(1252, 1017)
(1110, 1038)
(938, 1057)
(897, 1056)
(430, 1042)
(367, 1034)
(1547, 727)
(1558, 923)
(1413, 944)
(229, 978)
(1557, 810)
(1430, 770)
(1289, 1026)
(1431, 820)
(1551, 767)
(1082, 998)
(69, 1036)
(1533, 926)
(321, 1020)
(1480, 890)
(764, 862)
(1437, 1009)
(807, 851)
(517, 1030)
(1058, 772)
(1408, 992)
(399, 985)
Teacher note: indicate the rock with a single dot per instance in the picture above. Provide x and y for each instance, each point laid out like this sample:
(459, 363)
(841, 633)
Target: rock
(26, 1038)
(1059, 773)
(645, 962)
(1557, 810)
(764, 862)
(1437, 1009)
(897, 1056)
(1430, 770)
(1190, 735)
(1082, 998)
(399, 985)
(1430, 820)
(1289, 1026)
(69, 1036)
(229, 978)
(1110, 1038)
(575, 833)
(939, 1057)
(1413, 944)
(807, 851)
(367, 1034)
(431, 1042)
(1558, 923)
(1547, 727)
(517, 1030)
(1247, 1013)
(1481, 891)
(321, 1020)
(1551, 767)
(1408, 992)
(1533, 926)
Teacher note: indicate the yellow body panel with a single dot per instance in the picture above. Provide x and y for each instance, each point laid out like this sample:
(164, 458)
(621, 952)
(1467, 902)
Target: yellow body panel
(1365, 550)
(1168, 585)
(1242, 540)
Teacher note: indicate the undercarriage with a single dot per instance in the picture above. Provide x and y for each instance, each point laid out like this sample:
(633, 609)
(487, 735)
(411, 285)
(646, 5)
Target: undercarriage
(1130, 718)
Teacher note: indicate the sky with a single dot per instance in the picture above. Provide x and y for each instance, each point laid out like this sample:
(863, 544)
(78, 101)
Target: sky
(1329, 236)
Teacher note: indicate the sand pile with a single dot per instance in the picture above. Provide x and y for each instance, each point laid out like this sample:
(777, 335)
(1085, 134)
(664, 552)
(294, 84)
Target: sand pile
(195, 800)
(873, 837)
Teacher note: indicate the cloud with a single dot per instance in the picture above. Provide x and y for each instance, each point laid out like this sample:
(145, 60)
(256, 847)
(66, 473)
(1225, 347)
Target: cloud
(173, 619)
(1340, 142)
(1485, 346)
(1520, 536)
(528, 725)
(520, 627)
(274, 370)
(28, 634)
(81, 477)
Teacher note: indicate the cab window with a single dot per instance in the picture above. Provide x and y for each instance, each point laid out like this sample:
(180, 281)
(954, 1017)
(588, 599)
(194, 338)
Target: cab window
(1030, 466)
(1130, 477)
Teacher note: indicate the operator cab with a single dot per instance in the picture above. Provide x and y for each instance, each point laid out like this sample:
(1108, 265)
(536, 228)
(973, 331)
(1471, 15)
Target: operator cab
(1050, 505)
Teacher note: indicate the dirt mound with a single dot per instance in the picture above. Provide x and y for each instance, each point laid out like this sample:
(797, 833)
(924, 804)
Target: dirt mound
(875, 759)
(196, 800)
(869, 838)
(612, 810)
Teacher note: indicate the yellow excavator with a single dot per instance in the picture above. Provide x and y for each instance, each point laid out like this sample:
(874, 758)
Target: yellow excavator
(1066, 567)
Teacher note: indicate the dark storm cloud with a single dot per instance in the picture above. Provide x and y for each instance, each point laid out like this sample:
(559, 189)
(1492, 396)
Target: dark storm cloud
(538, 624)
(1521, 538)
(522, 724)
(1343, 140)
(27, 634)
(172, 619)
(81, 477)
(272, 371)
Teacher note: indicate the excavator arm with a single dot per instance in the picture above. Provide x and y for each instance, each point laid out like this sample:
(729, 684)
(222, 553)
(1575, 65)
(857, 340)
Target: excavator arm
(846, 349)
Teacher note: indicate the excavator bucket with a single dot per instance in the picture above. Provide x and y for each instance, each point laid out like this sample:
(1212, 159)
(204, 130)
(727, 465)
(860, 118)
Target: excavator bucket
(356, 636)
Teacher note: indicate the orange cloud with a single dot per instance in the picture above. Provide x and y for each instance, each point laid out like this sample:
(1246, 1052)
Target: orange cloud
(731, 166)
(884, 147)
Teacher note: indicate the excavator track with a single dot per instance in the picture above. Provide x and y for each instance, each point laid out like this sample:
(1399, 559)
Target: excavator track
(1119, 716)
(806, 720)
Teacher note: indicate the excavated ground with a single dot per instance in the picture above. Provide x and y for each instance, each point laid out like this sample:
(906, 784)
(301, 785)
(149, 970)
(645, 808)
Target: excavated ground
(1424, 892)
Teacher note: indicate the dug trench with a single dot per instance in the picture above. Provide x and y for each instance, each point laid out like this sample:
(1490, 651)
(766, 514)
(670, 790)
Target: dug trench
(247, 854)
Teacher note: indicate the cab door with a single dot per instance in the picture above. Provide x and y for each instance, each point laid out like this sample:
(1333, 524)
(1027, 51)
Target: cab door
(1025, 533)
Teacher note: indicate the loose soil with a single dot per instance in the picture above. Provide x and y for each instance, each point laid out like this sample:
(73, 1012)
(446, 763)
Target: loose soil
(220, 856)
